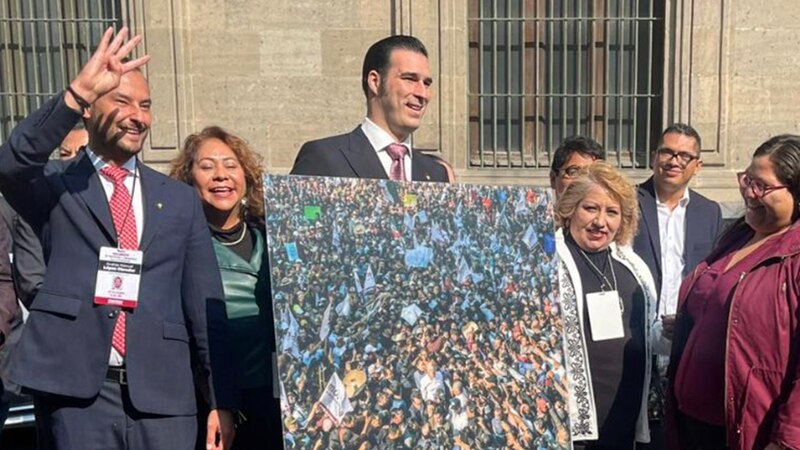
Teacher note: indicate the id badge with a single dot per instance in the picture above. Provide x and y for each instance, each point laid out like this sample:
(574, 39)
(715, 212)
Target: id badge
(605, 316)
(118, 275)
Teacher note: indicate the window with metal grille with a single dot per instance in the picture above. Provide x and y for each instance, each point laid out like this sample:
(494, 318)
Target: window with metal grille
(43, 45)
(543, 70)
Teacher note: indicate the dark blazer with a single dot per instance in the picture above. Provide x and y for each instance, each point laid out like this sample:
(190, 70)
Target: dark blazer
(28, 265)
(703, 226)
(9, 310)
(10, 220)
(351, 155)
(65, 346)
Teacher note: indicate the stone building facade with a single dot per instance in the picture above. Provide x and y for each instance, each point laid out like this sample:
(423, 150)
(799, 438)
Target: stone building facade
(280, 72)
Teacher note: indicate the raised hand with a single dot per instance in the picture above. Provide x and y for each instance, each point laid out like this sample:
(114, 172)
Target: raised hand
(103, 71)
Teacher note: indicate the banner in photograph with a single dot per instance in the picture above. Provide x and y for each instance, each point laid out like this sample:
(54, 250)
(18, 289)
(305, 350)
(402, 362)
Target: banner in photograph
(409, 292)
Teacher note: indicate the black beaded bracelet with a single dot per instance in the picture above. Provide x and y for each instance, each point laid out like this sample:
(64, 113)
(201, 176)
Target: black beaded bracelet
(78, 99)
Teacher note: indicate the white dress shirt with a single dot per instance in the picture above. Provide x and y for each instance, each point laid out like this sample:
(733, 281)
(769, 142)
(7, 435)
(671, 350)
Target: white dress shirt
(133, 183)
(431, 389)
(672, 235)
(380, 139)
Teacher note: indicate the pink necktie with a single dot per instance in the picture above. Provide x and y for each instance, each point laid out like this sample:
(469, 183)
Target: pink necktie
(397, 171)
(125, 225)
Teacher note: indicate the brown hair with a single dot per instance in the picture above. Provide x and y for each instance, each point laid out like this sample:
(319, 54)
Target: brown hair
(181, 167)
(601, 174)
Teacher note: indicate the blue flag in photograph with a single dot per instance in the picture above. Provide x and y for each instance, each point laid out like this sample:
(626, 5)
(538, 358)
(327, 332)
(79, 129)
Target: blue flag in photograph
(502, 196)
(549, 243)
(419, 257)
(291, 251)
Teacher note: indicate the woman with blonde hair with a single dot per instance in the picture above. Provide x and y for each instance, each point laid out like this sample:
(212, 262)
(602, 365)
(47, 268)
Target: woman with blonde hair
(607, 299)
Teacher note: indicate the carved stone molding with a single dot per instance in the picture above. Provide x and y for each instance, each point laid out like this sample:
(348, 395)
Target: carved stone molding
(696, 79)
(161, 25)
(422, 20)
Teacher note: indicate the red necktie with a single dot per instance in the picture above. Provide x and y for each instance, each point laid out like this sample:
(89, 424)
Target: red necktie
(125, 225)
(397, 171)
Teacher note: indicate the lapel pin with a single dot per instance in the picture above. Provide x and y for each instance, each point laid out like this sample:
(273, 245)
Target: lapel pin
(159, 205)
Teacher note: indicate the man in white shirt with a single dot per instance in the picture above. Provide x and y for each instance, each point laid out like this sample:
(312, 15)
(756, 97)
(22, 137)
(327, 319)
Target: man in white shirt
(678, 229)
(431, 385)
(396, 80)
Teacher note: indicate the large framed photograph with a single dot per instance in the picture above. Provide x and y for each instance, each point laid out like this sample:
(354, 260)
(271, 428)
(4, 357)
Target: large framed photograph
(415, 315)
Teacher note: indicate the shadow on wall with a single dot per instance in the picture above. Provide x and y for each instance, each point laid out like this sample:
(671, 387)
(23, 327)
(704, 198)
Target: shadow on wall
(731, 211)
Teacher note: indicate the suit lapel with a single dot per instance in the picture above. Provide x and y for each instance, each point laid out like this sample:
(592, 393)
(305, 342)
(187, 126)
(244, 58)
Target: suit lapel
(153, 204)
(647, 197)
(82, 180)
(692, 222)
(362, 157)
(419, 169)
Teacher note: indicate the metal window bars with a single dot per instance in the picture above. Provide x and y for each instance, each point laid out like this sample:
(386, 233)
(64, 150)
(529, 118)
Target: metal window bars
(542, 70)
(43, 44)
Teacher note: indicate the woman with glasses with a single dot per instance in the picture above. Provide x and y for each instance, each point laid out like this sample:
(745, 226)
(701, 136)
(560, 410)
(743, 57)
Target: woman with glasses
(734, 366)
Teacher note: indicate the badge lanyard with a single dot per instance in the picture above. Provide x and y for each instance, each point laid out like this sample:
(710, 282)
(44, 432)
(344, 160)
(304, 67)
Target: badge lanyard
(119, 271)
(130, 206)
(605, 308)
(601, 274)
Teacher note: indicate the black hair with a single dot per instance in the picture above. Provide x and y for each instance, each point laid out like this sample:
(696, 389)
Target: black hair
(682, 129)
(784, 153)
(580, 144)
(379, 55)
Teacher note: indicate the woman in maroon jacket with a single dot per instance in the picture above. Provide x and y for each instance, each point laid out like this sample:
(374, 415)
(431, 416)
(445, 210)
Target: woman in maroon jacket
(734, 367)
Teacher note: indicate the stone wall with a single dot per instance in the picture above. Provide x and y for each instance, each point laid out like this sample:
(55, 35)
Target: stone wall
(280, 72)
(732, 77)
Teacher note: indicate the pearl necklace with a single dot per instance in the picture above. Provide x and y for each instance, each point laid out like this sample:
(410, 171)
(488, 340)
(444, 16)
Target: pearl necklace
(237, 241)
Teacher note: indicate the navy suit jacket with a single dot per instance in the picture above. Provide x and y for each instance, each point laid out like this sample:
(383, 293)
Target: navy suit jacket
(703, 225)
(180, 319)
(351, 155)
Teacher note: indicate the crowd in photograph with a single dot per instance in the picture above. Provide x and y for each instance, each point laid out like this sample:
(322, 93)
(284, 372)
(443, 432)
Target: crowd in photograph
(434, 304)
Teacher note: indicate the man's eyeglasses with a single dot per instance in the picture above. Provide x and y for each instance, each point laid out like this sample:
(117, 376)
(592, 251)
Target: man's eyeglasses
(683, 158)
(758, 188)
(571, 171)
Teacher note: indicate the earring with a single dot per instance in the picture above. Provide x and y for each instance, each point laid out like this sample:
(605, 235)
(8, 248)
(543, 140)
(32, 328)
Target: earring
(242, 207)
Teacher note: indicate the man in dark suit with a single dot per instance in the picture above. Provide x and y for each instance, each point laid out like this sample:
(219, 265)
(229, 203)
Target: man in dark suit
(107, 371)
(9, 233)
(396, 80)
(73, 143)
(8, 298)
(574, 153)
(678, 228)
(10, 314)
